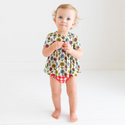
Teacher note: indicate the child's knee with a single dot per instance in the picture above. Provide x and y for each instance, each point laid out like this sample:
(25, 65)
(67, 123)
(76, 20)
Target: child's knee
(72, 93)
(56, 93)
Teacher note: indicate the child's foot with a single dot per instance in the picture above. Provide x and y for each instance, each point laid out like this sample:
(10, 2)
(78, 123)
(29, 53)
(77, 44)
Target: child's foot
(56, 114)
(73, 117)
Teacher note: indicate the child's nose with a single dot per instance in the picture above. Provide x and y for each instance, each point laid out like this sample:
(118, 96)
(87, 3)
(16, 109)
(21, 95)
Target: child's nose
(64, 20)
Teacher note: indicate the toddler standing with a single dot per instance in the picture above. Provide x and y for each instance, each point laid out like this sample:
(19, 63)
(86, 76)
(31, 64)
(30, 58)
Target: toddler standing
(63, 49)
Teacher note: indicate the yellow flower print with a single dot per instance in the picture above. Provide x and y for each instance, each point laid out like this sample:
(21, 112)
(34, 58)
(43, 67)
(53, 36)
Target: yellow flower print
(62, 64)
(68, 54)
(75, 74)
(70, 66)
(50, 34)
(58, 39)
(56, 71)
(56, 55)
(76, 36)
(53, 65)
(59, 35)
(74, 45)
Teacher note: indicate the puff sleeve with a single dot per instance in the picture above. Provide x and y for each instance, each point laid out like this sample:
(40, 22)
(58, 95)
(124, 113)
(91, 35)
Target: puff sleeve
(76, 43)
(48, 40)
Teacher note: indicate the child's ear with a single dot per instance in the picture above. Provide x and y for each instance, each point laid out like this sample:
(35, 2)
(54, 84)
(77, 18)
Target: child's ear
(74, 24)
(55, 20)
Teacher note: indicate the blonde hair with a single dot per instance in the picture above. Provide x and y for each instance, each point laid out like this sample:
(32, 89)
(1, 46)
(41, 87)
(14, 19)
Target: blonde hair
(66, 6)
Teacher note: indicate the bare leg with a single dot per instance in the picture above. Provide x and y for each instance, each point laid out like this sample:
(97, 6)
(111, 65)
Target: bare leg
(56, 91)
(72, 93)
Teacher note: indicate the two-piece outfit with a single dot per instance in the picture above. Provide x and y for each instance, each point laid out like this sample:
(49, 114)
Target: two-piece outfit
(60, 64)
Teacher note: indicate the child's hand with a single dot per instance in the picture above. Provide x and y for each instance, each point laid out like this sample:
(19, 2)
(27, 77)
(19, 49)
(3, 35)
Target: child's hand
(67, 47)
(57, 45)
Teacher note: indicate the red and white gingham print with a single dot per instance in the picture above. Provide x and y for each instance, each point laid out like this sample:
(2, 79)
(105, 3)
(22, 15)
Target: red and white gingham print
(61, 79)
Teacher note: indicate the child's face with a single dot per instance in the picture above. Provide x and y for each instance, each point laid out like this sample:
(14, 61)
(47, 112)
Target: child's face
(65, 19)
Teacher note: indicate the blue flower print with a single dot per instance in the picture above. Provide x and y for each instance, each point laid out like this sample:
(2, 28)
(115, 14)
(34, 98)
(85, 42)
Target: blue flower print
(72, 34)
(45, 70)
(60, 49)
(68, 63)
(62, 56)
(77, 63)
(56, 63)
(80, 44)
(51, 39)
(45, 43)
(71, 58)
(62, 71)
(51, 57)
(66, 40)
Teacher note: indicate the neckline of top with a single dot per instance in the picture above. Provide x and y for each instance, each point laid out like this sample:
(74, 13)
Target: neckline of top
(63, 35)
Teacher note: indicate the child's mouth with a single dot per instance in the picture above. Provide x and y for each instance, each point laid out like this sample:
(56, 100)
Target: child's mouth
(62, 25)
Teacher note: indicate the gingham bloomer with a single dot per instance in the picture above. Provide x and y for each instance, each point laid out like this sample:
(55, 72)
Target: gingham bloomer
(60, 62)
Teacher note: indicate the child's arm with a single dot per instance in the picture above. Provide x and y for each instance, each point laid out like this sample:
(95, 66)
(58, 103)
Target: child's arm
(47, 51)
(75, 53)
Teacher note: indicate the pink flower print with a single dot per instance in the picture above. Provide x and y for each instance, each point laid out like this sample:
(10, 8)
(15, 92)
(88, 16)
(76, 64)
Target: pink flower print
(78, 66)
(50, 68)
(75, 39)
(65, 74)
(63, 50)
(47, 45)
(65, 58)
(55, 59)
(70, 42)
(53, 41)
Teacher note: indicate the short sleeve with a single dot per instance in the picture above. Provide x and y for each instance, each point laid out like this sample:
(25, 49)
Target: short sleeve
(76, 42)
(48, 40)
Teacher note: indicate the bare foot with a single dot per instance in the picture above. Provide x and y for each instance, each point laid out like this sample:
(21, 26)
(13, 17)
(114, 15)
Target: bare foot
(56, 114)
(73, 117)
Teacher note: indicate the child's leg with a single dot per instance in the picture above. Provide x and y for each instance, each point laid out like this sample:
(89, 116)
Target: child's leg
(56, 91)
(72, 93)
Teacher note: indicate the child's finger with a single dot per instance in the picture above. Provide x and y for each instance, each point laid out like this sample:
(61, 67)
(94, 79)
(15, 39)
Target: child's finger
(60, 43)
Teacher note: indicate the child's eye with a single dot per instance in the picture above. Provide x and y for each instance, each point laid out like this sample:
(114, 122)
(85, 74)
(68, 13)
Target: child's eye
(60, 17)
(68, 18)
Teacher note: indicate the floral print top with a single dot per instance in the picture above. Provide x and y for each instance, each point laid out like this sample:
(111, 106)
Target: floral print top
(60, 62)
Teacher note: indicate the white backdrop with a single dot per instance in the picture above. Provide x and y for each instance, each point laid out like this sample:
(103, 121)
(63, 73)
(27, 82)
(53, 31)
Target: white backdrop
(24, 25)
